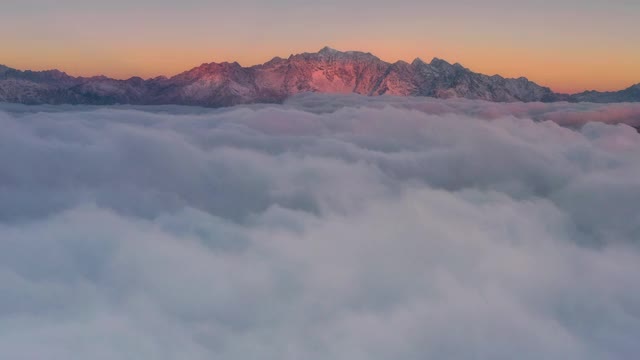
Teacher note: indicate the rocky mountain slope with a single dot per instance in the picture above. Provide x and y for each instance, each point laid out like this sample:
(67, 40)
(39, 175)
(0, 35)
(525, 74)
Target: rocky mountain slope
(631, 94)
(327, 71)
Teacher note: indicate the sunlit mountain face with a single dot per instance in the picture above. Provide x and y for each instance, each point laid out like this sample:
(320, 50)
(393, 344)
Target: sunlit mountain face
(328, 71)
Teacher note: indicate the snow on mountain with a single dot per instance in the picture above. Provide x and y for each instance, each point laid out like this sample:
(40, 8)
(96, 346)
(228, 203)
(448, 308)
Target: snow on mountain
(630, 94)
(326, 71)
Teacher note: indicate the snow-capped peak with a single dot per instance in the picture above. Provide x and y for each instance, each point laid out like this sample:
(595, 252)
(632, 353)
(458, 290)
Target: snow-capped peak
(328, 50)
(328, 71)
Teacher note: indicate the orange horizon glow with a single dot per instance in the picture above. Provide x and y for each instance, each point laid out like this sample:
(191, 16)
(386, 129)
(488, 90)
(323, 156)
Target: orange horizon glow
(563, 46)
(567, 77)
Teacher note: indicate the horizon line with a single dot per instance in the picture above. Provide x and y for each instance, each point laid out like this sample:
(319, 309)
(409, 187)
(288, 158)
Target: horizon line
(324, 48)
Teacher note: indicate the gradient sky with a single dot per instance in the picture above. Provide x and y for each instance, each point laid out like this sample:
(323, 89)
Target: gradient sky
(569, 45)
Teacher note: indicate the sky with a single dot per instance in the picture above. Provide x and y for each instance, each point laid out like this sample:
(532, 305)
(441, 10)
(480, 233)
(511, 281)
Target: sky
(569, 45)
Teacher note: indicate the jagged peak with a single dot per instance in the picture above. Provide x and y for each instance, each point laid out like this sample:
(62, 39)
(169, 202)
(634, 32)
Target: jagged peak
(216, 65)
(328, 50)
(275, 60)
(443, 64)
(55, 72)
(135, 79)
(98, 78)
(401, 63)
(213, 63)
(204, 68)
(227, 64)
(439, 62)
(418, 61)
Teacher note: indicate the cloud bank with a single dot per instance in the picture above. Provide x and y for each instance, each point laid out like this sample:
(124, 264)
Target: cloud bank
(331, 227)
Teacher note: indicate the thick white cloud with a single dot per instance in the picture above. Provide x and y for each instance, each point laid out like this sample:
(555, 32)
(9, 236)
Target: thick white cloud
(333, 227)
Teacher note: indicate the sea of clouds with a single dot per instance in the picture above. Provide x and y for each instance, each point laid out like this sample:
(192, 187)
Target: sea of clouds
(327, 228)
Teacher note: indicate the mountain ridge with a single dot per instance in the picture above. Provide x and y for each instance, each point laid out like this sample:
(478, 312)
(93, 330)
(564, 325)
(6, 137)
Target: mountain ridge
(326, 71)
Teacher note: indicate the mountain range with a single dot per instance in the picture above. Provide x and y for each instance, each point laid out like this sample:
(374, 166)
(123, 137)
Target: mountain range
(327, 71)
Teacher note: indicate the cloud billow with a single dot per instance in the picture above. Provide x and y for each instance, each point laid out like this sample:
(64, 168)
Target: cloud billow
(330, 227)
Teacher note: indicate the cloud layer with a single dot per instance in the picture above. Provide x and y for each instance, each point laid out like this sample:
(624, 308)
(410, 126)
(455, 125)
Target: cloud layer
(327, 228)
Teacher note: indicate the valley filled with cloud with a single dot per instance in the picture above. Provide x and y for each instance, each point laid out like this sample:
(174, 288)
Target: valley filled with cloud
(329, 227)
